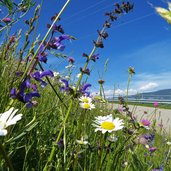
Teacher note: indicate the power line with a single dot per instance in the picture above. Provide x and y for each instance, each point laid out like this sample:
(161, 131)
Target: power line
(85, 9)
(122, 24)
(133, 20)
(85, 16)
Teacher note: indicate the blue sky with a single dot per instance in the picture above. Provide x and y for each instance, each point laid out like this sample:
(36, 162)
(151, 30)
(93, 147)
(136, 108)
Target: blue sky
(140, 39)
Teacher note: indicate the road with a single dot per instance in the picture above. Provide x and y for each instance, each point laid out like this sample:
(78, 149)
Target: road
(162, 116)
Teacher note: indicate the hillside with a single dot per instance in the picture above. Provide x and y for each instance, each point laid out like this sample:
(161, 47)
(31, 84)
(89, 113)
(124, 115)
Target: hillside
(160, 94)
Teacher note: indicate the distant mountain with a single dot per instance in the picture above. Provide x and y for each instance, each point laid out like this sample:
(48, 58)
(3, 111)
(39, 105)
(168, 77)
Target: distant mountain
(160, 94)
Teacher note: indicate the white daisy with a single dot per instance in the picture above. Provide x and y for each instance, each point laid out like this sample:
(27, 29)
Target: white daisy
(82, 141)
(107, 124)
(87, 106)
(85, 99)
(7, 118)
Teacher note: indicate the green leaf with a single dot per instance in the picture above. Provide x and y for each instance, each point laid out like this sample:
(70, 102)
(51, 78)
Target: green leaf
(73, 38)
(58, 55)
(9, 5)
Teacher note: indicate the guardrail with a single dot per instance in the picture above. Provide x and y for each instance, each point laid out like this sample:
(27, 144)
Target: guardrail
(163, 99)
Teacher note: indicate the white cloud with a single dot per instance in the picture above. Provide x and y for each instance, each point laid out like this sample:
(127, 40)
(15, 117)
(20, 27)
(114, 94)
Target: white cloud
(145, 82)
(148, 86)
(151, 82)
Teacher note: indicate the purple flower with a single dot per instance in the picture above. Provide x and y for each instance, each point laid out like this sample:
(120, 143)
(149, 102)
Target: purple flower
(160, 125)
(160, 169)
(152, 149)
(85, 71)
(39, 75)
(56, 28)
(120, 109)
(146, 122)
(42, 56)
(60, 143)
(65, 87)
(46, 73)
(85, 55)
(28, 96)
(19, 73)
(149, 137)
(13, 93)
(22, 96)
(6, 20)
(155, 104)
(84, 89)
(71, 60)
(94, 57)
(58, 42)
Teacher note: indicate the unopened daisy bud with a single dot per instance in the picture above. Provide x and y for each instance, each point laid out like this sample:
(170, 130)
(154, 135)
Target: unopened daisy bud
(101, 81)
(125, 163)
(78, 75)
(131, 70)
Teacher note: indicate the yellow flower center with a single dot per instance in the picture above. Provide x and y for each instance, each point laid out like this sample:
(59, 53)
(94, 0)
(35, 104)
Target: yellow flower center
(87, 106)
(107, 125)
(85, 100)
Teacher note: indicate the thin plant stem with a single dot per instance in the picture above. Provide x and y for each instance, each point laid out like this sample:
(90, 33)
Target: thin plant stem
(34, 33)
(48, 80)
(127, 90)
(85, 66)
(13, 22)
(45, 37)
(101, 153)
(7, 159)
(59, 135)
(88, 60)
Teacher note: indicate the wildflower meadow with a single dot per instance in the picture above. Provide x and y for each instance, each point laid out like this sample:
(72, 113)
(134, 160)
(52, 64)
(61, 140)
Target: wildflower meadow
(51, 121)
